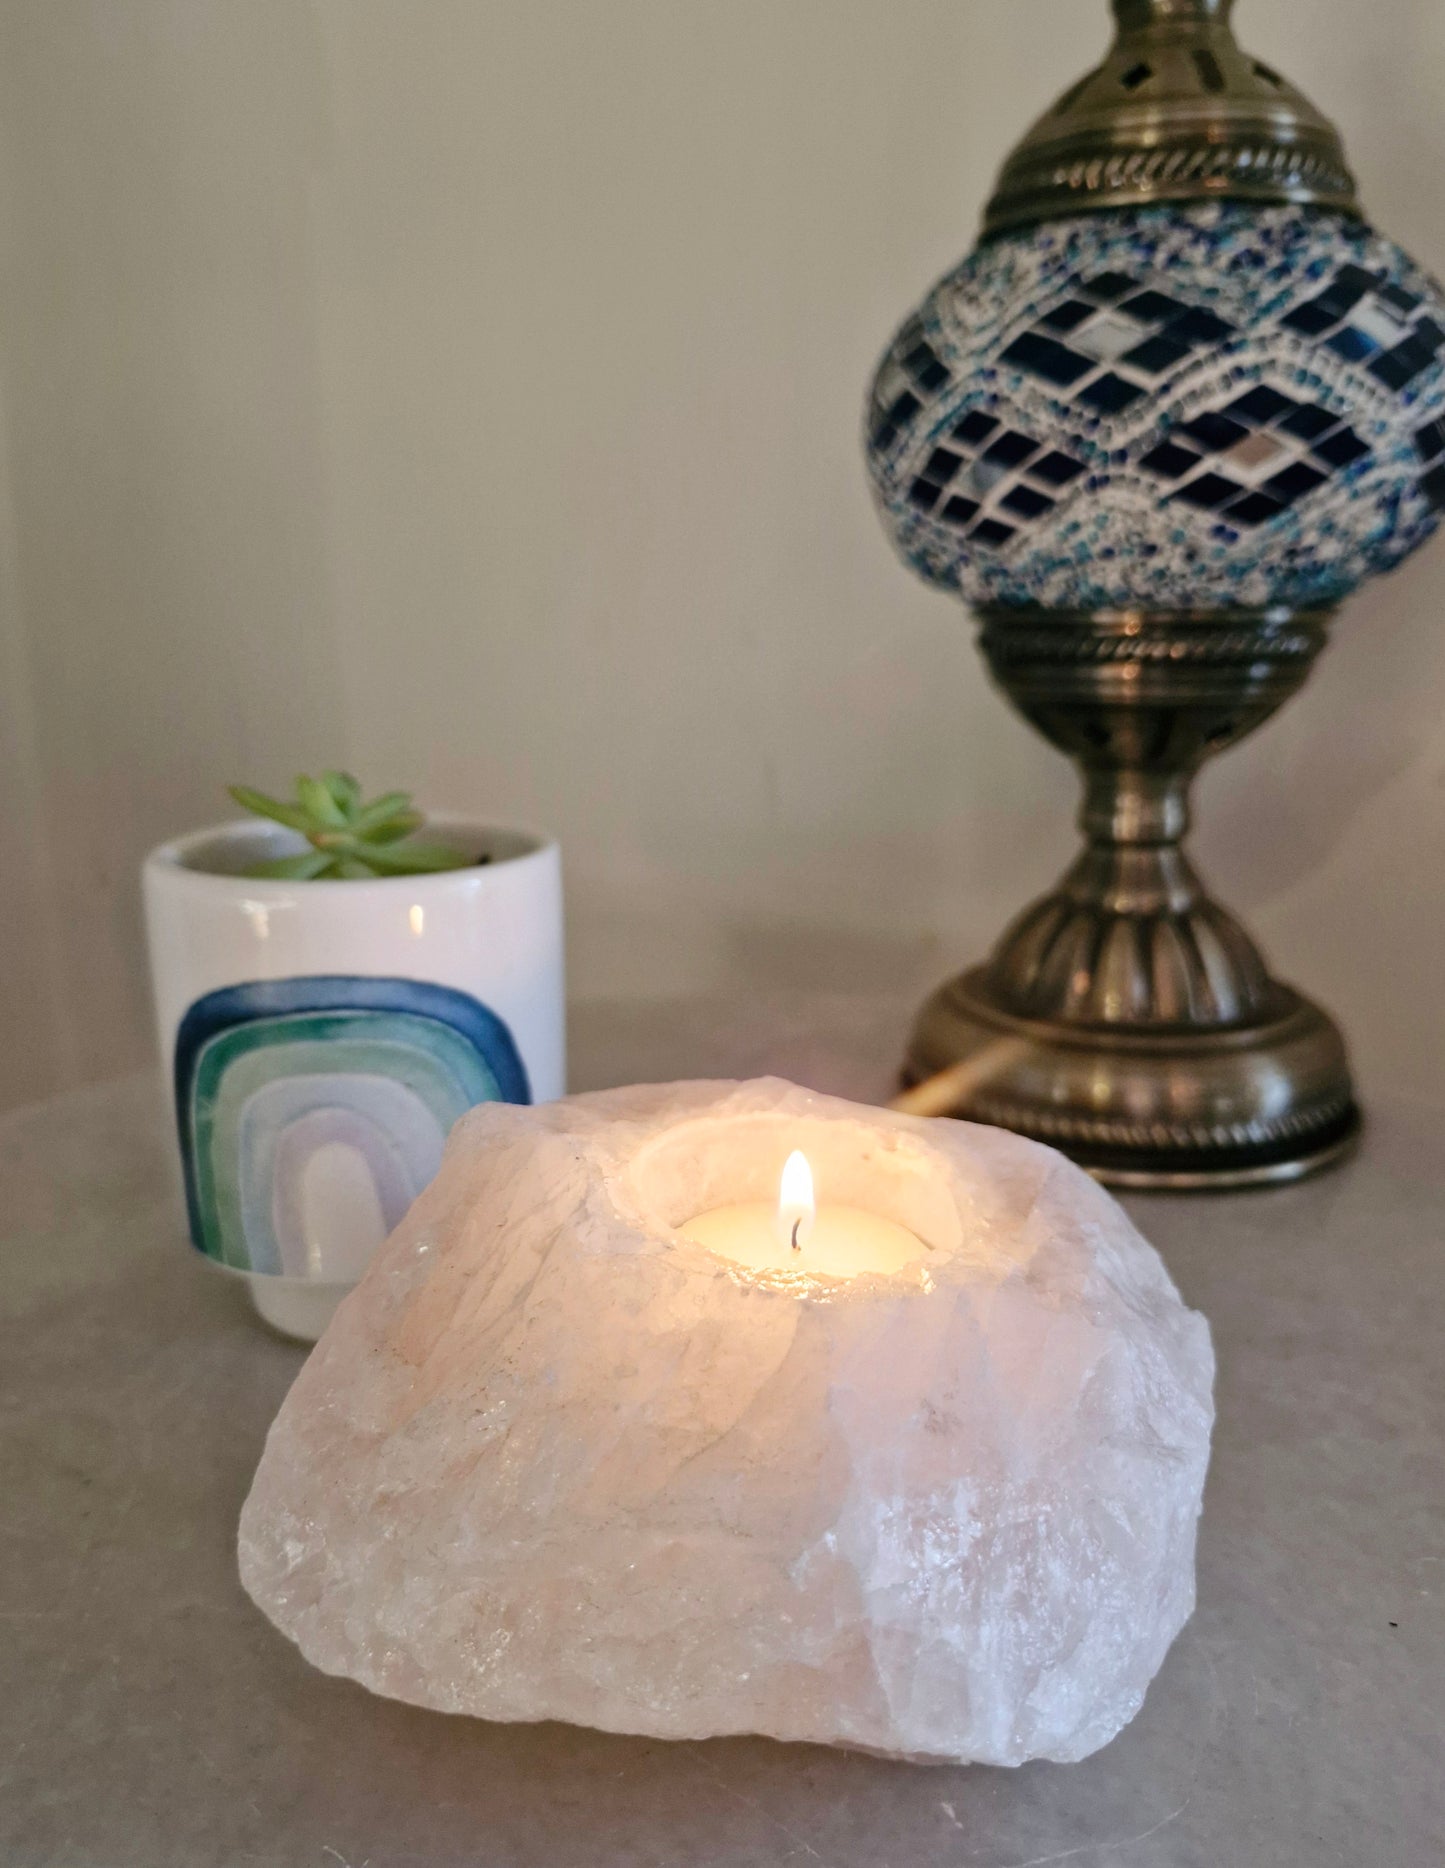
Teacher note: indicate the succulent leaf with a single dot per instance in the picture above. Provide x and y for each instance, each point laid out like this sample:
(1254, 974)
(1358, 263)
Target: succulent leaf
(411, 859)
(319, 803)
(396, 828)
(344, 789)
(351, 841)
(381, 810)
(291, 815)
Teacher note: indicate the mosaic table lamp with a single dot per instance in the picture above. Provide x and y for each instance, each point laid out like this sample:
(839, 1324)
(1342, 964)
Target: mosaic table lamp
(1177, 404)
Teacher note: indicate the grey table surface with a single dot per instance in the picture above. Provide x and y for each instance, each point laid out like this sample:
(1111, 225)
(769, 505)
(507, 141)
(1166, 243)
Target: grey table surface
(149, 1715)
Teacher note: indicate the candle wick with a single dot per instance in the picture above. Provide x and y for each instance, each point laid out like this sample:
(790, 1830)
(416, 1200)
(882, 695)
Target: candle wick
(796, 1224)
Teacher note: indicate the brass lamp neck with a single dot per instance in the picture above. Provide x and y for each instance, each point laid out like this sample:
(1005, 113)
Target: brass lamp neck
(1177, 111)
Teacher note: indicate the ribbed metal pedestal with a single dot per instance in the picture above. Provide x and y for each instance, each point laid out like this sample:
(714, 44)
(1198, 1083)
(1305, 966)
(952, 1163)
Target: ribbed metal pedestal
(1127, 1018)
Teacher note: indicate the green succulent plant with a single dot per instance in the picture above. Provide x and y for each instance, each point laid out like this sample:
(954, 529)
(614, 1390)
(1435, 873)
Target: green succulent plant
(351, 841)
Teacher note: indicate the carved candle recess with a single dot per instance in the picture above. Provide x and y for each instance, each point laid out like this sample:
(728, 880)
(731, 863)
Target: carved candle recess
(613, 1432)
(1178, 403)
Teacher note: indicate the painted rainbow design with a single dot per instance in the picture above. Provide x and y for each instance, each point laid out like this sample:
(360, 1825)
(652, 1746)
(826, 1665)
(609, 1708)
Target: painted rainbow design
(313, 1111)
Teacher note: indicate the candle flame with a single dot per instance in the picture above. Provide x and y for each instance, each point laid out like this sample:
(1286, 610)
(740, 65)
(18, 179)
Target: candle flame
(796, 1208)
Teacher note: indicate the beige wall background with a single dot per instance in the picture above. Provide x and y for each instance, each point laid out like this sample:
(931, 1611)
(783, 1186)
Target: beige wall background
(469, 391)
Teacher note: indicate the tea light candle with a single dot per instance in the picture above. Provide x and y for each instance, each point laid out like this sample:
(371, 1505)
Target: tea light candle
(833, 1241)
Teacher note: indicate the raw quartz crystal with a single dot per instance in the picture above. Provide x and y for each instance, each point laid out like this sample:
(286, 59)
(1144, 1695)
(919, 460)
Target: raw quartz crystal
(552, 1461)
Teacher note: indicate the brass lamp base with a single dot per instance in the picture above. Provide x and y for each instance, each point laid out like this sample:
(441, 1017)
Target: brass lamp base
(1126, 1018)
(1174, 1109)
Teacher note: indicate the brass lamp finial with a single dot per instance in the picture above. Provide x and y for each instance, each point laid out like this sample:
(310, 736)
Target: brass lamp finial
(1177, 111)
(1132, 14)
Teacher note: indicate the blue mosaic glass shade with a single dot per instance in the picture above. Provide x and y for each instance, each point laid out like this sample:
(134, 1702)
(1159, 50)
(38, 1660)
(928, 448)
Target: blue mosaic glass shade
(1208, 406)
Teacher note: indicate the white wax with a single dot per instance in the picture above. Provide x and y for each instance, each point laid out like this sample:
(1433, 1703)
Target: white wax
(845, 1241)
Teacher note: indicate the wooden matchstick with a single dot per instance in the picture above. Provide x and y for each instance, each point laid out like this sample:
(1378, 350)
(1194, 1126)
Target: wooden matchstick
(943, 1094)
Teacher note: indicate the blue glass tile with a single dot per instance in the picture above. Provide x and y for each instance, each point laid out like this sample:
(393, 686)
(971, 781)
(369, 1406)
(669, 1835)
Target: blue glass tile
(1046, 357)
(1399, 367)
(975, 427)
(1342, 449)
(1346, 289)
(1068, 316)
(1110, 285)
(1254, 509)
(959, 510)
(1309, 422)
(1430, 441)
(1152, 307)
(1294, 482)
(1354, 346)
(1110, 394)
(1011, 449)
(1171, 460)
(1309, 320)
(1156, 355)
(923, 365)
(1261, 405)
(1404, 363)
(1208, 491)
(942, 466)
(1198, 326)
(1057, 469)
(1028, 504)
(1214, 432)
(985, 475)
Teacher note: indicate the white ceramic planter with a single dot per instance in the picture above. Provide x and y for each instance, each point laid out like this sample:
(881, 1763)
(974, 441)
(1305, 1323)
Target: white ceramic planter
(323, 1036)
